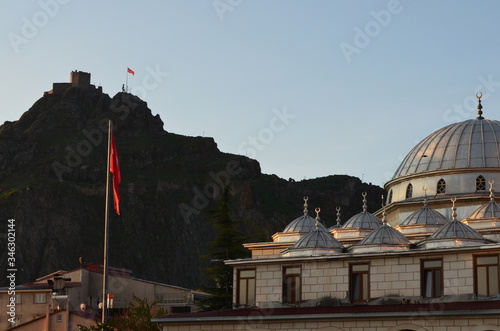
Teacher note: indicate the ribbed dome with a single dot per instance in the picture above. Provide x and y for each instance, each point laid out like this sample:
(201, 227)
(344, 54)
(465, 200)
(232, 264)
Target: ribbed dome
(304, 223)
(425, 215)
(486, 211)
(385, 234)
(319, 238)
(468, 144)
(363, 220)
(456, 230)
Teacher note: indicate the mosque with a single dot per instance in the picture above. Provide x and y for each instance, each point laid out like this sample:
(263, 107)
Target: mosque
(427, 260)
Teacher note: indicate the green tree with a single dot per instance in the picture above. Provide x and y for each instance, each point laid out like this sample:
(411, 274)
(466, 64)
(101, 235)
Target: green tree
(137, 318)
(227, 245)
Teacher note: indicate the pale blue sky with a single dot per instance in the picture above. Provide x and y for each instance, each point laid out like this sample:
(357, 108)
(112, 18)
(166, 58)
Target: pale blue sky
(308, 88)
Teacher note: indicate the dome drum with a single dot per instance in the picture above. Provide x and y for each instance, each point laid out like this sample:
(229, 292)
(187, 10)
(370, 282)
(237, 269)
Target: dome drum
(296, 252)
(418, 229)
(350, 233)
(454, 242)
(457, 182)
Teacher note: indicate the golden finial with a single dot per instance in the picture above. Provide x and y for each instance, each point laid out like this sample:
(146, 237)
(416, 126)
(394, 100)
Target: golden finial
(365, 207)
(424, 188)
(479, 95)
(305, 204)
(317, 210)
(492, 195)
(384, 214)
(453, 209)
(338, 216)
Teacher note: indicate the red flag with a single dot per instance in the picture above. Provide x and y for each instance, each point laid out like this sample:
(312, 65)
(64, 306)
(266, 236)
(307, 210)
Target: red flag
(130, 71)
(114, 168)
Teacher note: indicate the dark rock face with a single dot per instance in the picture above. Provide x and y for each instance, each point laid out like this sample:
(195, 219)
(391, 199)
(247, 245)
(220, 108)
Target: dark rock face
(52, 182)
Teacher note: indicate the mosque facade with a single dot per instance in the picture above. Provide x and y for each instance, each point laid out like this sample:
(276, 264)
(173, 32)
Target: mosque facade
(428, 260)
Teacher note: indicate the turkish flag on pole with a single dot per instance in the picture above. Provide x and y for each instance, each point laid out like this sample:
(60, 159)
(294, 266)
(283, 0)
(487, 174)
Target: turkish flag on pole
(130, 71)
(114, 168)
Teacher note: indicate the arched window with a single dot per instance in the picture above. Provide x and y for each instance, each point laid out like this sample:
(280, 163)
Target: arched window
(480, 183)
(441, 187)
(409, 191)
(389, 198)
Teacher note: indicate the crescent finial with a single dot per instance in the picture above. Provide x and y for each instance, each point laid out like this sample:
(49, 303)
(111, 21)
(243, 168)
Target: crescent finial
(479, 107)
(453, 209)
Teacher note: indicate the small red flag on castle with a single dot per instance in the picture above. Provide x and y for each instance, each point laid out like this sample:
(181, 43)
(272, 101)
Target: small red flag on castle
(114, 168)
(130, 71)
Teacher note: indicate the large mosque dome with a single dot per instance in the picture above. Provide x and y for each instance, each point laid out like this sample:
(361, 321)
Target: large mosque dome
(469, 144)
(459, 160)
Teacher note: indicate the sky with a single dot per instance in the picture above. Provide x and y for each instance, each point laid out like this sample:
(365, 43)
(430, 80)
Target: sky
(307, 88)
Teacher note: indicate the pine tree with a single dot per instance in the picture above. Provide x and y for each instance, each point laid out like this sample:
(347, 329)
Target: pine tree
(227, 245)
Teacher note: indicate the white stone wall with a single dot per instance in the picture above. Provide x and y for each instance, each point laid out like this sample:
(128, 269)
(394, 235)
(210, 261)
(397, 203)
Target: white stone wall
(390, 275)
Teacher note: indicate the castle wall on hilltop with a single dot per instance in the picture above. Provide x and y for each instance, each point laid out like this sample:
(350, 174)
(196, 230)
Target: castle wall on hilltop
(76, 79)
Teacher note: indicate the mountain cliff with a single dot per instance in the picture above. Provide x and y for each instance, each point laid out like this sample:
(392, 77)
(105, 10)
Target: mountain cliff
(52, 183)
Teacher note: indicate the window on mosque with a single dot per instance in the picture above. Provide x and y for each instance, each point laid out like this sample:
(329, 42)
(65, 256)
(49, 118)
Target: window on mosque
(432, 278)
(246, 287)
(486, 275)
(359, 282)
(480, 183)
(291, 284)
(409, 191)
(441, 187)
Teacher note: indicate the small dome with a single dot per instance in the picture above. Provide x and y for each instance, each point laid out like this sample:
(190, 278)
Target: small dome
(456, 230)
(363, 220)
(385, 234)
(317, 242)
(304, 223)
(425, 215)
(487, 211)
(454, 234)
(298, 228)
(384, 238)
(319, 238)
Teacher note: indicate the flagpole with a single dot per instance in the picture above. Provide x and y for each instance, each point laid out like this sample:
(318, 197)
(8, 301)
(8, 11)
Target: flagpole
(106, 233)
(126, 85)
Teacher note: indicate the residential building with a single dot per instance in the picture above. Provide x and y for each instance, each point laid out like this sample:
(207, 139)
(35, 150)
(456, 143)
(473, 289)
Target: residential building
(68, 298)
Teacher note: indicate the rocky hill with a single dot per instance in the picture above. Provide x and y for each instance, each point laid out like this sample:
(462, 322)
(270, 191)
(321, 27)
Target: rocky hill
(52, 183)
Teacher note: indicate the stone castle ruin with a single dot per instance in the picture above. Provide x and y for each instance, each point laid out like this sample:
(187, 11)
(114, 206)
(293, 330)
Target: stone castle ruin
(76, 79)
